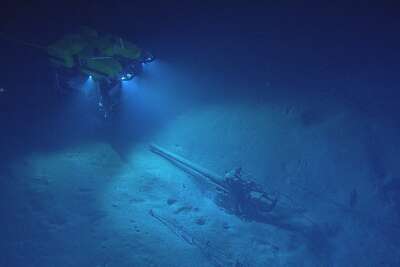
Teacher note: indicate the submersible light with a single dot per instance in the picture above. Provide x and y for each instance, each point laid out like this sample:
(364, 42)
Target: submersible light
(147, 58)
(127, 77)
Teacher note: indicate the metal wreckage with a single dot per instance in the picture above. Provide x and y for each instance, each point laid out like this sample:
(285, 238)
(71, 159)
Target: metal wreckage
(241, 197)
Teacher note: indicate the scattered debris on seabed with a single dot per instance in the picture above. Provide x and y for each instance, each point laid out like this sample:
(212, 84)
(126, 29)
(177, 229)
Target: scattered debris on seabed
(215, 256)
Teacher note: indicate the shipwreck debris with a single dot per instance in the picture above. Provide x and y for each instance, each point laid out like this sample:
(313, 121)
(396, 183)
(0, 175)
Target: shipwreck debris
(241, 197)
(216, 257)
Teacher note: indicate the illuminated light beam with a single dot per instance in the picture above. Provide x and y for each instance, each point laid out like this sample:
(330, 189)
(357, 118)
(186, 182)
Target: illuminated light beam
(149, 65)
(129, 85)
(89, 84)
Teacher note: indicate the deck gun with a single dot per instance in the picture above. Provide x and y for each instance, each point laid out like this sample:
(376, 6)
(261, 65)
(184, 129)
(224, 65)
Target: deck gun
(244, 198)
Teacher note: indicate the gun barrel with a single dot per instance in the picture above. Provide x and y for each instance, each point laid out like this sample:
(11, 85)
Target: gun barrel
(213, 178)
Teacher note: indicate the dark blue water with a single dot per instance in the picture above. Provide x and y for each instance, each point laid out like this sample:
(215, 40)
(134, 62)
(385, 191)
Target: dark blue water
(303, 98)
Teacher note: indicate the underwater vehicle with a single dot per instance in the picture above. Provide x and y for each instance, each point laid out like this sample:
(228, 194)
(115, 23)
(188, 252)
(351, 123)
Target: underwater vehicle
(105, 59)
